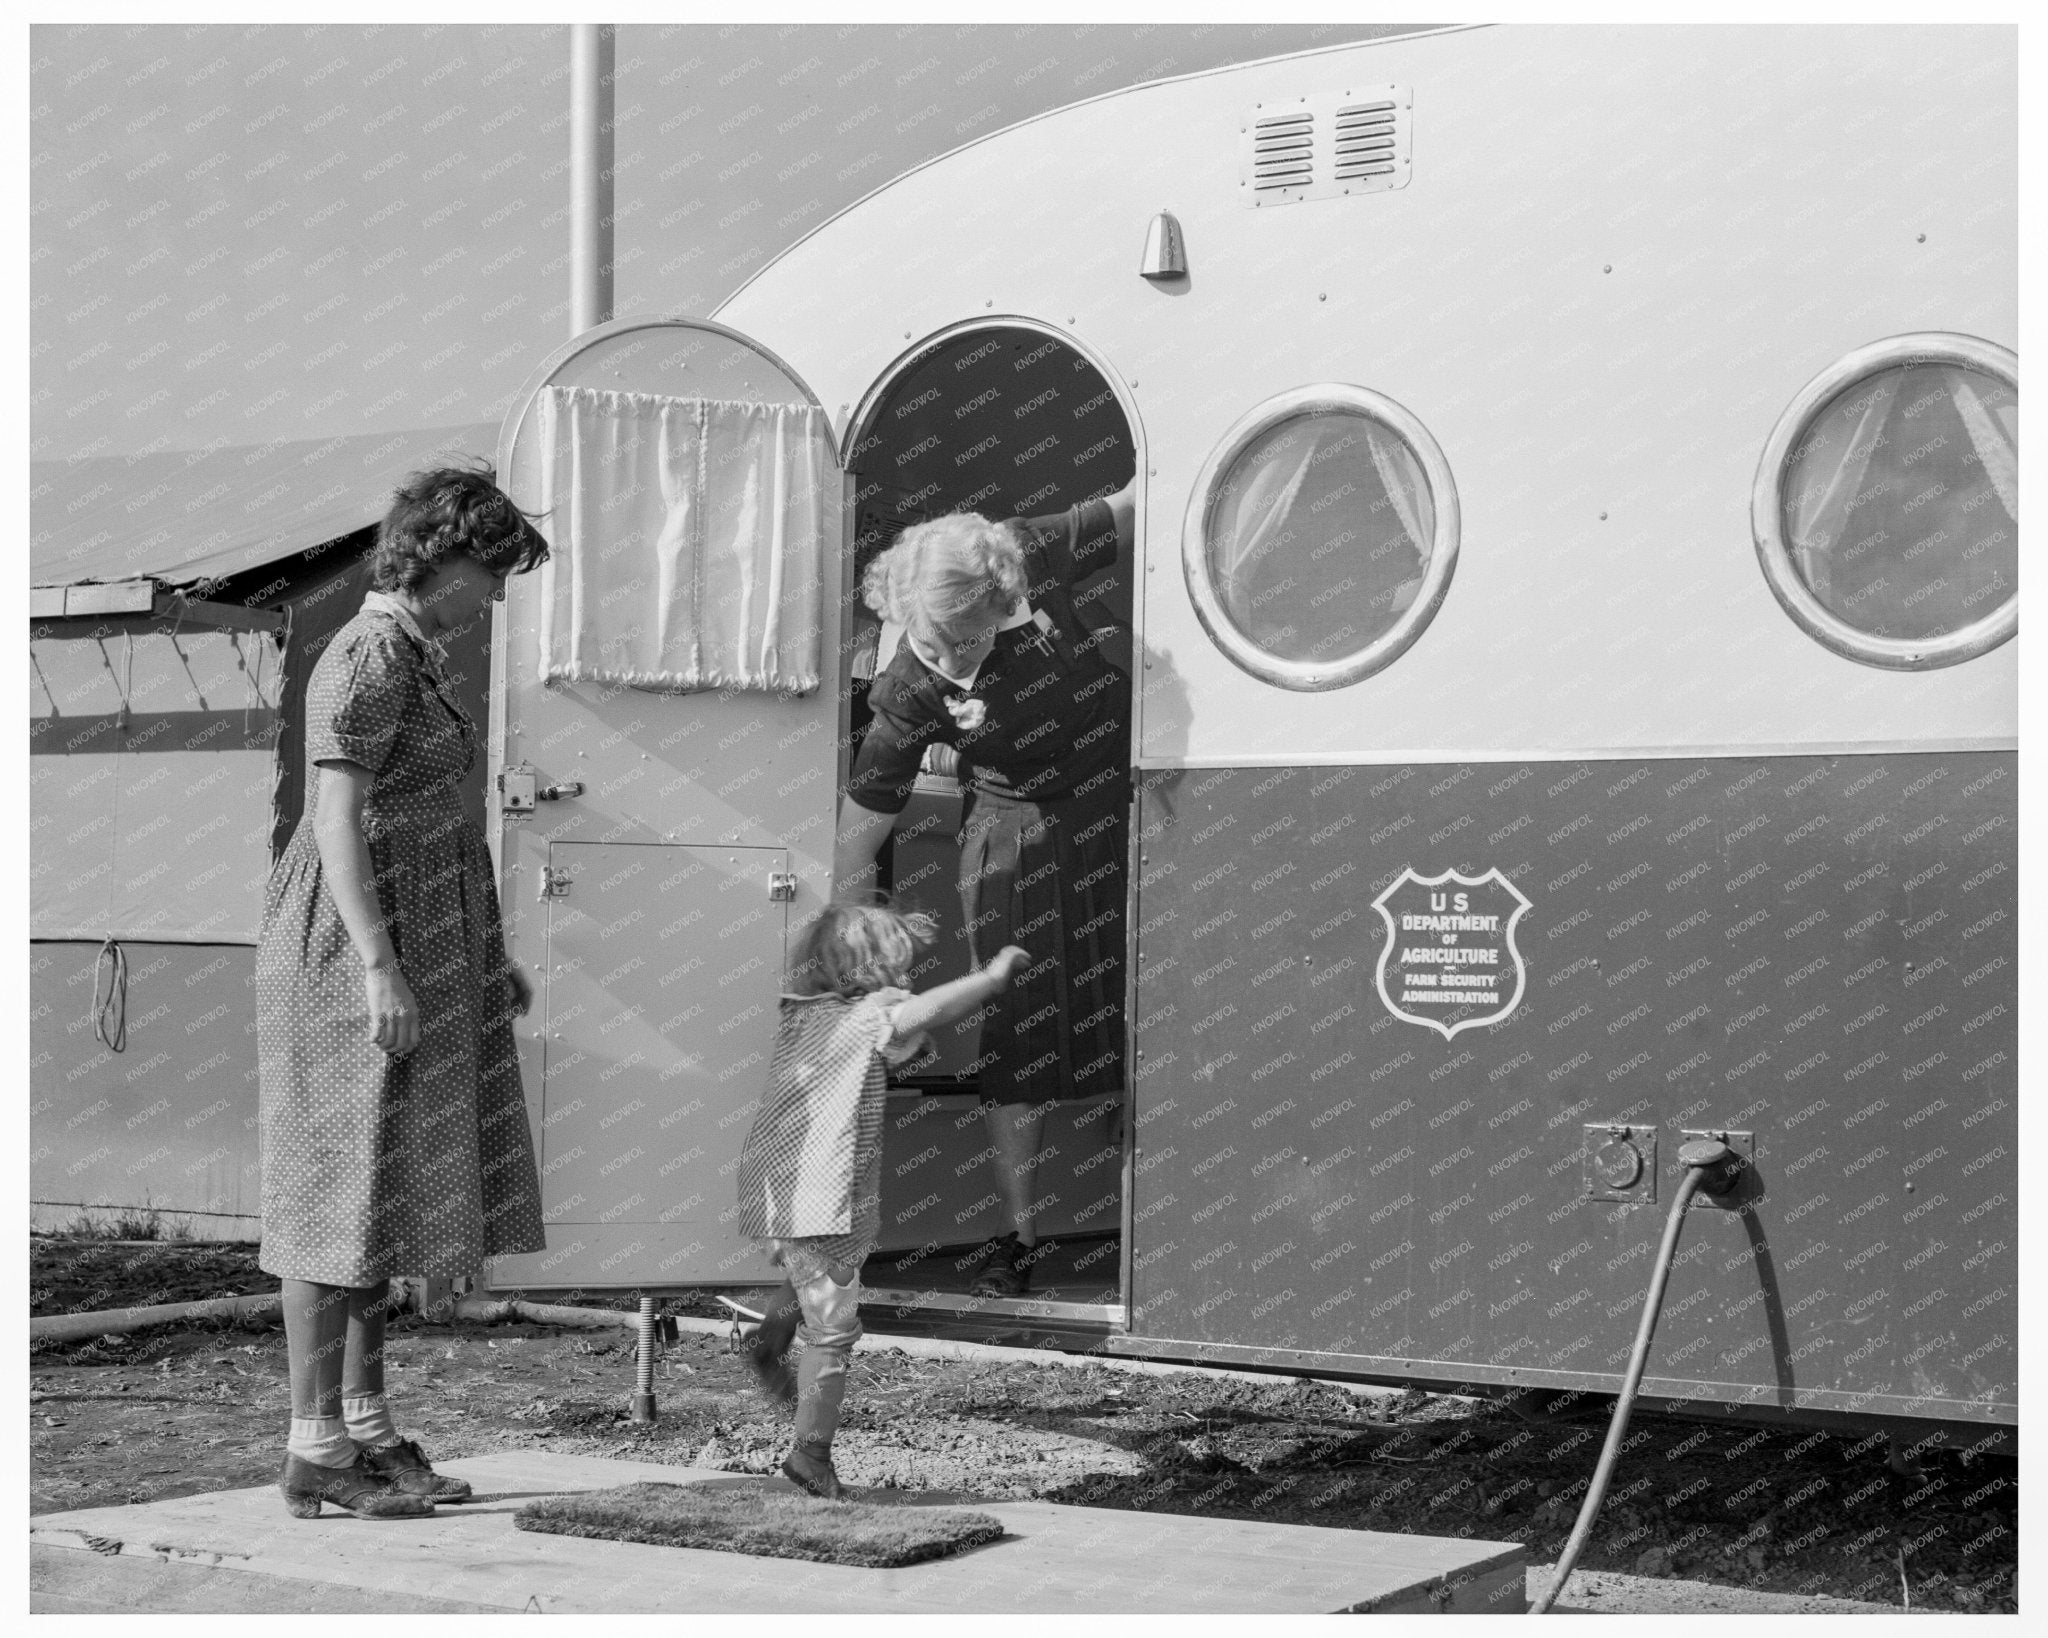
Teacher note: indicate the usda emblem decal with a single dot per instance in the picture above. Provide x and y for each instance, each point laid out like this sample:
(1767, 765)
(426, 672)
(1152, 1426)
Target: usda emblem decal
(1450, 961)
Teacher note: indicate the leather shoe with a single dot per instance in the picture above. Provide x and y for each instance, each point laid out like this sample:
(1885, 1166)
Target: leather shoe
(1006, 1273)
(355, 1489)
(404, 1467)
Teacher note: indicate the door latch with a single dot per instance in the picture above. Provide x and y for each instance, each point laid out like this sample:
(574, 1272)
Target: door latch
(781, 886)
(520, 787)
(516, 787)
(554, 884)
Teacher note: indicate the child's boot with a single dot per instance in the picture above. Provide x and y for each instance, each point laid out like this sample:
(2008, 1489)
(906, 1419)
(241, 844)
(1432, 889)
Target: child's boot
(821, 1390)
(809, 1466)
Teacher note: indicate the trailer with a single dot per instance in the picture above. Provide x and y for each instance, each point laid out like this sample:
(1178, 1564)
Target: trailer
(1570, 636)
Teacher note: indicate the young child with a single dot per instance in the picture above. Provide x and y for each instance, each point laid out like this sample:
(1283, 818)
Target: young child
(810, 1174)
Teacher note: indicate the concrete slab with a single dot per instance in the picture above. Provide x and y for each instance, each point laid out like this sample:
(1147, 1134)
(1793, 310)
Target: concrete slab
(1055, 1559)
(65, 1581)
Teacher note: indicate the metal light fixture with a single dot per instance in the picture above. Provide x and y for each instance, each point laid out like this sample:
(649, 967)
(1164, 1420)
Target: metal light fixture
(1165, 256)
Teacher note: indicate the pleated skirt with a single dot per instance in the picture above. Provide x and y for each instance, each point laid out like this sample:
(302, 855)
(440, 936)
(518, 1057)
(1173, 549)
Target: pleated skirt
(1051, 877)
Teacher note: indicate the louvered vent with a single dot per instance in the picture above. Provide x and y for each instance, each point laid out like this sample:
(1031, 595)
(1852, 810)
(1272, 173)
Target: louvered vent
(1283, 152)
(1327, 146)
(1364, 145)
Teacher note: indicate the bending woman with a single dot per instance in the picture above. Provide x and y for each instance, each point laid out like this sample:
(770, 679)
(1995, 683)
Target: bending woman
(393, 1126)
(997, 671)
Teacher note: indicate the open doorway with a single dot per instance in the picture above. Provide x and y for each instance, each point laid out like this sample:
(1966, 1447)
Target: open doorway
(1008, 421)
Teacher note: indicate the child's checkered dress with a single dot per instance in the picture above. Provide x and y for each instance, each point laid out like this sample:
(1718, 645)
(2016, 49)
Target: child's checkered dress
(811, 1167)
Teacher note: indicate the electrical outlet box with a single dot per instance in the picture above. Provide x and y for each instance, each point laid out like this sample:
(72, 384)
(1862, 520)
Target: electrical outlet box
(1621, 1162)
(1749, 1187)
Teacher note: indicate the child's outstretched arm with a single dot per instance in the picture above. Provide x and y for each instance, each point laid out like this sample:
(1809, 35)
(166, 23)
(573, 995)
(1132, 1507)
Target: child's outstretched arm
(947, 1002)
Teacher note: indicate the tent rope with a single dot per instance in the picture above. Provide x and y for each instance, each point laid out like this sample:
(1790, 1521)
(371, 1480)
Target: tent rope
(184, 659)
(110, 1012)
(122, 686)
(49, 693)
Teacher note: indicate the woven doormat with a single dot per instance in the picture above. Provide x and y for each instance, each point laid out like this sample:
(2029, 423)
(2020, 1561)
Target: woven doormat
(757, 1520)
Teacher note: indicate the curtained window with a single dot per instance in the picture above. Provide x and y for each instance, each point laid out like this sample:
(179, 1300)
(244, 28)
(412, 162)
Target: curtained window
(690, 541)
(1900, 504)
(1320, 535)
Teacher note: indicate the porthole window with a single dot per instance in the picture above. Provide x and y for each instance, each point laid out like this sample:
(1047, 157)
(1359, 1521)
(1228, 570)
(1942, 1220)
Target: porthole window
(1886, 507)
(1321, 537)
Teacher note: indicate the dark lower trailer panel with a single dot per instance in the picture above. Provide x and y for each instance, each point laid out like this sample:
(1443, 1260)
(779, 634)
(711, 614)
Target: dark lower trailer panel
(1814, 954)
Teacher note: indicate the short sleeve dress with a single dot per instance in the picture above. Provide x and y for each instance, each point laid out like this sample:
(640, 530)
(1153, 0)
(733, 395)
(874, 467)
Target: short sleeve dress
(810, 1172)
(375, 1165)
(1043, 732)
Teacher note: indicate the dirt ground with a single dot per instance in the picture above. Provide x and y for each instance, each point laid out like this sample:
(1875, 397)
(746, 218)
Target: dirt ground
(179, 1410)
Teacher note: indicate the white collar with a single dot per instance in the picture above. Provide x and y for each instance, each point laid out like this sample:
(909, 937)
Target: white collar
(966, 682)
(430, 648)
(386, 603)
(1024, 616)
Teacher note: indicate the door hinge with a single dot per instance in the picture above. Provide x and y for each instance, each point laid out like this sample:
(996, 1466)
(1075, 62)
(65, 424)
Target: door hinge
(554, 884)
(781, 886)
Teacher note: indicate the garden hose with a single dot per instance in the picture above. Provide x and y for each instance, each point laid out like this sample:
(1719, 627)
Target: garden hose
(1710, 1165)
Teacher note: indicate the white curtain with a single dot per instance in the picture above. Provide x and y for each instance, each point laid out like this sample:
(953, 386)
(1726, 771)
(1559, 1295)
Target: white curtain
(1830, 476)
(1403, 483)
(1258, 515)
(1253, 517)
(1996, 441)
(690, 538)
(1390, 459)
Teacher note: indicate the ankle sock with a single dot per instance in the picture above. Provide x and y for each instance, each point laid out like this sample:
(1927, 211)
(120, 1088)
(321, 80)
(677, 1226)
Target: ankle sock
(321, 1440)
(369, 1421)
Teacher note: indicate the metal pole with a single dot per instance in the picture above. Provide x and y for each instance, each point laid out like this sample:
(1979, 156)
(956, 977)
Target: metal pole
(592, 54)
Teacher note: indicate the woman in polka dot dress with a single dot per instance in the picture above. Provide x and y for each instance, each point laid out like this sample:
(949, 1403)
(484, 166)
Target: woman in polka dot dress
(394, 1128)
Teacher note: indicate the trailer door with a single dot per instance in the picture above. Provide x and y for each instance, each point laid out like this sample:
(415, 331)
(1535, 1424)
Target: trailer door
(666, 713)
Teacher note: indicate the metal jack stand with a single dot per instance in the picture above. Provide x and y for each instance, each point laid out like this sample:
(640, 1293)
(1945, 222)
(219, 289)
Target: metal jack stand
(643, 1378)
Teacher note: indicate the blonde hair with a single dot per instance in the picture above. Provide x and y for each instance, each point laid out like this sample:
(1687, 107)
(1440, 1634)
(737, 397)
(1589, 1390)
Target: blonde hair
(856, 949)
(944, 568)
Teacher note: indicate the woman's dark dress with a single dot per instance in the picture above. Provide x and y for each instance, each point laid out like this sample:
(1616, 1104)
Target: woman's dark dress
(1044, 820)
(374, 1165)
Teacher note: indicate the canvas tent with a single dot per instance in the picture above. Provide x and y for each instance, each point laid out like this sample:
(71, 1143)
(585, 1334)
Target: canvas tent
(178, 601)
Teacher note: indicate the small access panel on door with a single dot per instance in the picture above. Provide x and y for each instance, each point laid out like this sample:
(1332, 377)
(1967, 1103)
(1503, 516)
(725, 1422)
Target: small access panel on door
(664, 964)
